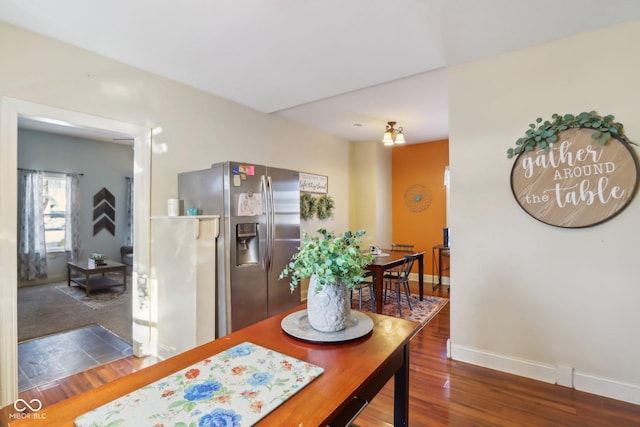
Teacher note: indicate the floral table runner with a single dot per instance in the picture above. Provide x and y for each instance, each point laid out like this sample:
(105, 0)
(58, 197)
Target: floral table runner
(235, 388)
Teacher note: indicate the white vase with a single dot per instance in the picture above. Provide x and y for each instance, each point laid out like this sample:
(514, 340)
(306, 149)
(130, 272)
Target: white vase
(329, 309)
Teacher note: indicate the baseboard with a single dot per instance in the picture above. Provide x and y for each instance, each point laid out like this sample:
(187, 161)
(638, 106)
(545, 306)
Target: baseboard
(52, 279)
(607, 387)
(429, 280)
(499, 362)
(601, 386)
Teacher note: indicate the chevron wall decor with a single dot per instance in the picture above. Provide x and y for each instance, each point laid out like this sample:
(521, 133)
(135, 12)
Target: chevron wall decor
(104, 212)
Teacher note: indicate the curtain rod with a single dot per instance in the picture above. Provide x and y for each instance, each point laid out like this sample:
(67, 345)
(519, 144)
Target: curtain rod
(66, 173)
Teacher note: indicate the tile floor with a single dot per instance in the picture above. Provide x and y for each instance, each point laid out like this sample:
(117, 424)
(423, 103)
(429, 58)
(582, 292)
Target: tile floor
(49, 358)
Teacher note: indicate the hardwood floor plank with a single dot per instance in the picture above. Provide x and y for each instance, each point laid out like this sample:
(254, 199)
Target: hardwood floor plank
(442, 392)
(449, 393)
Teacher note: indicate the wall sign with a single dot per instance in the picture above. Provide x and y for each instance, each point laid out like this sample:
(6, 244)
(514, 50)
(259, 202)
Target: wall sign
(310, 183)
(577, 183)
(104, 212)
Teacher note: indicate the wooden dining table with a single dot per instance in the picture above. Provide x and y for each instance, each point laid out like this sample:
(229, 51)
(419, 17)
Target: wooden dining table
(389, 259)
(354, 372)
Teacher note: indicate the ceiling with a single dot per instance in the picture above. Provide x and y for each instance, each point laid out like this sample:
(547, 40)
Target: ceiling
(342, 66)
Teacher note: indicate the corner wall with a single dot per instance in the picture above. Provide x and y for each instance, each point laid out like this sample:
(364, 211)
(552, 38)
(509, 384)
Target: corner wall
(559, 305)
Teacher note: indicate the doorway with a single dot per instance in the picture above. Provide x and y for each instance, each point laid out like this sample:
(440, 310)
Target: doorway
(11, 110)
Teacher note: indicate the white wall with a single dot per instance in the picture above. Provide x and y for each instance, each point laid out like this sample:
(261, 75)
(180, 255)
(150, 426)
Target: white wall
(528, 296)
(102, 164)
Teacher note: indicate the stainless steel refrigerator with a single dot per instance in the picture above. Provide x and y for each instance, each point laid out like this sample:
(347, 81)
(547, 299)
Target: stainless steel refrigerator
(259, 210)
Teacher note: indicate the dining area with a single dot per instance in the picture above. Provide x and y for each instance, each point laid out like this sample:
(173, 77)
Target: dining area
(389, 271)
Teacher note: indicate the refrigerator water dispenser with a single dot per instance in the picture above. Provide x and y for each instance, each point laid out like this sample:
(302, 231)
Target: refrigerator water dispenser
(247, 244)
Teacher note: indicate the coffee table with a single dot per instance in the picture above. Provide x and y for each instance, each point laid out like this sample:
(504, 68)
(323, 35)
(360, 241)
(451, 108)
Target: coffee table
(90, 283)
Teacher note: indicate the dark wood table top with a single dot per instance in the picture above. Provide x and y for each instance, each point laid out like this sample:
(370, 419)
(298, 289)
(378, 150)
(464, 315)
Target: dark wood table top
(84, 266)
(393, 257)
(349, 368)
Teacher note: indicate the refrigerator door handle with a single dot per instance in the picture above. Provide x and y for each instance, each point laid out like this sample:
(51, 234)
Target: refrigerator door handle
(272, 223)
(265, 206)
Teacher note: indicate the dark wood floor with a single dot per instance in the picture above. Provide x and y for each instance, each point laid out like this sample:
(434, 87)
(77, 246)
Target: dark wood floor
(442, 392)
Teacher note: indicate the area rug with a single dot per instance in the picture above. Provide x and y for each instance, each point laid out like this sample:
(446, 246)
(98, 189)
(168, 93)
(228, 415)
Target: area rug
(421, 311)
(45, 310)
(56, 356)
(97, 299)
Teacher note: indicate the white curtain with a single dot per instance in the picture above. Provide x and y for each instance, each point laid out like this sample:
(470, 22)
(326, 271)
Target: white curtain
(129, 203)
(32, 252)
(72, 218)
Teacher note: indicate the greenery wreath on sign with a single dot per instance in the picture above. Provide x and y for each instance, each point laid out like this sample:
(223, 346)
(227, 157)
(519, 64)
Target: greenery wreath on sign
(543, 134)
(324, 207)
(308, 205)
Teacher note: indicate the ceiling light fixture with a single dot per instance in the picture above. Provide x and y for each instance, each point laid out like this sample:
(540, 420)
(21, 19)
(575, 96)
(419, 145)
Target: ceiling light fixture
(393, 135)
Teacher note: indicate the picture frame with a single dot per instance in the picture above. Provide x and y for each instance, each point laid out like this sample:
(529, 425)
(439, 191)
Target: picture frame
(312, 183)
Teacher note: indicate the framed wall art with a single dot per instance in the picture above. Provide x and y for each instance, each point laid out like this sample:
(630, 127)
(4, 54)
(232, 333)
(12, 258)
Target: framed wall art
(310, 183)
(575, 176)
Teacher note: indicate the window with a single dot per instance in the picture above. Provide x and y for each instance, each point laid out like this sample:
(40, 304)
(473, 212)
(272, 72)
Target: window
(55, 199)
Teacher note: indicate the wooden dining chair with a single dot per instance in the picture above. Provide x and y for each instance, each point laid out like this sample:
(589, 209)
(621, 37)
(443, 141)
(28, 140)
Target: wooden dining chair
(400, 281)
(368, 282)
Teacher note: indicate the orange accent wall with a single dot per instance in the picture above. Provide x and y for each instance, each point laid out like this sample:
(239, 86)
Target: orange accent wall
(422, 164)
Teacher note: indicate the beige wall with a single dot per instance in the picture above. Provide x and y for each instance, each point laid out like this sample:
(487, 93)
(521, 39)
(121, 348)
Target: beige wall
(370, 200)
(192, 130)
(526, 296)
(197, 129)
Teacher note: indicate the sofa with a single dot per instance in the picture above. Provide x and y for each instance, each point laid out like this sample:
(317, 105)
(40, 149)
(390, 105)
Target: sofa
(126, 255)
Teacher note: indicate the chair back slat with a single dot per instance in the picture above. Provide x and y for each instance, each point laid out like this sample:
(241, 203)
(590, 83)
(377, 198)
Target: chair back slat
(402, 247)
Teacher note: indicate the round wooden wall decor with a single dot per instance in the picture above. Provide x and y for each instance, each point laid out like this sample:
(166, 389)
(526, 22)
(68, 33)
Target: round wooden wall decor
(417, 198)
(577, 183)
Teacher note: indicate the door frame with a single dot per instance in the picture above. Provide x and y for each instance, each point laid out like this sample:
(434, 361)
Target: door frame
(10, 110)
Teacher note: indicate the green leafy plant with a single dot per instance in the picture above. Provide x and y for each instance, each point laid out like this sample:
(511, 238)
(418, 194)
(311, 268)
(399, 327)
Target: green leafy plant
(308, 206)
(543, 134)
(324, 207)
(330, 257)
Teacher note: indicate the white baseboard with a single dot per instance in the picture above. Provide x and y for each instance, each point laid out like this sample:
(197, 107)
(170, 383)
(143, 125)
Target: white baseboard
(582, 381)
(499, 362)
(428, 279)
(607, 387)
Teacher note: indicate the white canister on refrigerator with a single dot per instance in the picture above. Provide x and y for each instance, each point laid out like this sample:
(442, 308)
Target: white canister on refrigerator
(173, 207)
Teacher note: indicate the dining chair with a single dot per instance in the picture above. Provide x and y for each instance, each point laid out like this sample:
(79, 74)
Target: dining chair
(399, 247)
(368, 282)
(400, 281)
